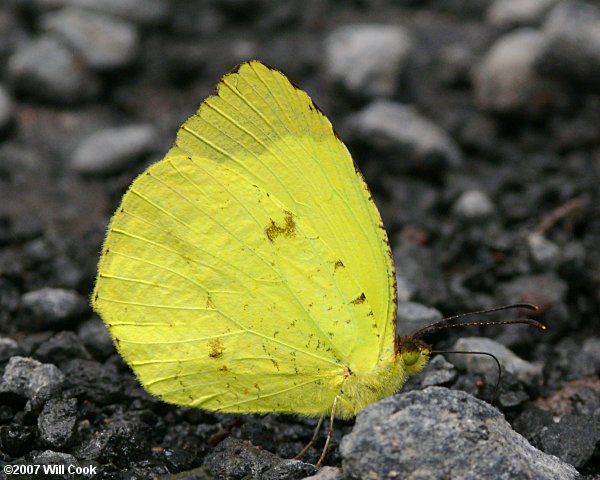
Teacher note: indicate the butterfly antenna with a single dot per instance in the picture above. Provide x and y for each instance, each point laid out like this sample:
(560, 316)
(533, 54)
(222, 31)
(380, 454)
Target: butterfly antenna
(448, 321)
(497, 387)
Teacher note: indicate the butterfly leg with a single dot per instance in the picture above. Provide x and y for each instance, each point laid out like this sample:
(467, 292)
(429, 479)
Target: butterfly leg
(329, 432)
(312, 440)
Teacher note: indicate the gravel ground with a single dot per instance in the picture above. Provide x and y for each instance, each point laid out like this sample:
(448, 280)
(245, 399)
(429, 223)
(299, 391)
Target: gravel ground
(477, 126)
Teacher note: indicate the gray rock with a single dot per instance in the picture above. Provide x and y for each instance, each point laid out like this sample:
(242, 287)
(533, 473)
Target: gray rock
(544, 252)
(49, 70)
(571, 49)
(113, 149)
(234, 458)
(506, 80)
(6, 108)
(402, 133)
(473, 205)
(56, 422)
(508, 14)
(9, 348)
(438, 372)
(103, 41)
(573, 439)
(31, 379)
(327, 473)
(438, 434)
(52, 306)
(413, 316)
(528, 373)
(368, 60)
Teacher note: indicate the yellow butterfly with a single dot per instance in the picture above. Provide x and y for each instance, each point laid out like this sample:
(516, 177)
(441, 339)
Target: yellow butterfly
(249, 270)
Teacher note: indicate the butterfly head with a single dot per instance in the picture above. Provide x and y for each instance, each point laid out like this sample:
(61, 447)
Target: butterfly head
(413, 352)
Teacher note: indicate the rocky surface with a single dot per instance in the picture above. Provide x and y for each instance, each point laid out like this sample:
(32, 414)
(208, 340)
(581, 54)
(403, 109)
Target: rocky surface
(477, 127)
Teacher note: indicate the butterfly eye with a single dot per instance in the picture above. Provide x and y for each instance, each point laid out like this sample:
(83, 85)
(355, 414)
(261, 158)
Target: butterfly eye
(411, 357)
(409, 351)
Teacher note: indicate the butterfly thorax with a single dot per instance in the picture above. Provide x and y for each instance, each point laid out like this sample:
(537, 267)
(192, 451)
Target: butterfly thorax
(361, 388)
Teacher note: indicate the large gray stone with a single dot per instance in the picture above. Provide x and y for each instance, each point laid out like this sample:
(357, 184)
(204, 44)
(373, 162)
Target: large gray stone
(368, 60)
(438, 433)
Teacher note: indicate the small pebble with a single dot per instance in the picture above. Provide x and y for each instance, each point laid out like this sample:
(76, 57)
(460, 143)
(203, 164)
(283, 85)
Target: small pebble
(96, 338)
(56, 422)
(368, 60)
(31, 379)
(9, 348)
(413, 316)
(571, 46)
(49, 457)
(235, 457)
(506, 80)
(508, 14)
(49, 70)
(52, 306)
(528, 373)
(544, 252)
(416, 268)
(327, 473)
(542, 289)
(113, 149)
(60, 348)
(400, 132)
(473, 205)
(103, 41)
(573, 439)
(438, 372)
(120, 442)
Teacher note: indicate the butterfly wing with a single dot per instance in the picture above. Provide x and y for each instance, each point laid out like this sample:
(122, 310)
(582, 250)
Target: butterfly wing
(249, 269)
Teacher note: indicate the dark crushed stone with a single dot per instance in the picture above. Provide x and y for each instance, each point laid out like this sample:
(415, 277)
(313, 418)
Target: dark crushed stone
(466, 235)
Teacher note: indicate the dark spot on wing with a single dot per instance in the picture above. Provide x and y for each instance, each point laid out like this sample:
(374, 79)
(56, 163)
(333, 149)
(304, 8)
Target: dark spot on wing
(209, 303)
(223, 368)
(215, 348)
(358, 300)
(286, 230)
(338, 264)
